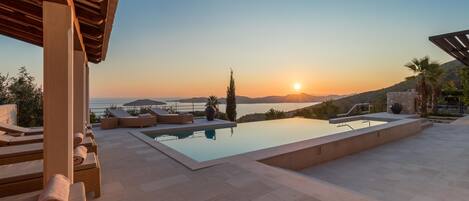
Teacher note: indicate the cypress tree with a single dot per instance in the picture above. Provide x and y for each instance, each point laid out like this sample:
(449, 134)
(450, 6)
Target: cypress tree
(231, 99)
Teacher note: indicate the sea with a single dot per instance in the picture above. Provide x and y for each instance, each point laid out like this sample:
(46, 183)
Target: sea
(98, 105)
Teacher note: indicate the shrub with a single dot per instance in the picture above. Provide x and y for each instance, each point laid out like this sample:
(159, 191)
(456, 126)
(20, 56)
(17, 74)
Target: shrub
(23, 92)
(222, 116)
(94, 118)
(327, 110)
(305, 112)
(274, 114)
(4, 94)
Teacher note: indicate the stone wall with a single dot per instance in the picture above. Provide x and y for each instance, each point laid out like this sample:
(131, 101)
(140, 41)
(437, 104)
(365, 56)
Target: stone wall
(328, 151)
(8, 114)
(406, 99)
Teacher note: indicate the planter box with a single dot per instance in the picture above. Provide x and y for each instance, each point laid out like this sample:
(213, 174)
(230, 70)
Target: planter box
(109, 123)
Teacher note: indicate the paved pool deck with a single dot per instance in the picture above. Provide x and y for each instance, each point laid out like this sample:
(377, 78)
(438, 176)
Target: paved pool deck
(433, 165)
(461, 121)
(133, 170)
(430, 166)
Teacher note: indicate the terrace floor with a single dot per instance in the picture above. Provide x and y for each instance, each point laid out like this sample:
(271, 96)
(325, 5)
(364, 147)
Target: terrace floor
(433, 165)
(133, 170)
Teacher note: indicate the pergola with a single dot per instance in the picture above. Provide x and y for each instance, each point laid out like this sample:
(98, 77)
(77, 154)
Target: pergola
(72, 33)
(455, 44)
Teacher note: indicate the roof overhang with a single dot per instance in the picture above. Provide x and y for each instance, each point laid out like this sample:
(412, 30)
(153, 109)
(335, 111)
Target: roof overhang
(22, 20)
(455, 44)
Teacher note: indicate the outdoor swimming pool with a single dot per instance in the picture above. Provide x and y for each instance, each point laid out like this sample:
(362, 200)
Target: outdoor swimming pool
(210, 144)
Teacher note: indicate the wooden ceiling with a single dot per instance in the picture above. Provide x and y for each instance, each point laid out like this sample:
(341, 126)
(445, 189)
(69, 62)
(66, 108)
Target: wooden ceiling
(455, 44)
(22, 20)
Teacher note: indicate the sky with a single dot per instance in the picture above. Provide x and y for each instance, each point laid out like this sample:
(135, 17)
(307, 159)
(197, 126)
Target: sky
(185, 48)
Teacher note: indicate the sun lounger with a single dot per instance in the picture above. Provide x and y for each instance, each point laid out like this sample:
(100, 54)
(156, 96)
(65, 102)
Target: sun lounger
(7, 140)
(89, 133)
(77, 193)
(162, 116)
(34, 151)
(10, 128)
(127, 120)
(27, 176)
(13, 129)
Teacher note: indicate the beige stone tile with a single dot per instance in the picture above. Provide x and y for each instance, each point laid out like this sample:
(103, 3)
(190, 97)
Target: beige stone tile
(163, 183)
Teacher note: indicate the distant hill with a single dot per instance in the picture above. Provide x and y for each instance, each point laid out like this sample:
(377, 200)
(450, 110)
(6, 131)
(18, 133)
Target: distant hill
(378, 97)
(290, 98)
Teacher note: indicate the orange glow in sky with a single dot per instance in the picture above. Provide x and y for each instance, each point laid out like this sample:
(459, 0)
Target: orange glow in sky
(186, 49)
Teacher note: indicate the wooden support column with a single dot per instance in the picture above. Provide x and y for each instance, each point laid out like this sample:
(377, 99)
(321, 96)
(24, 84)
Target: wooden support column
(58, 89)
(79, 91)
(87, 93)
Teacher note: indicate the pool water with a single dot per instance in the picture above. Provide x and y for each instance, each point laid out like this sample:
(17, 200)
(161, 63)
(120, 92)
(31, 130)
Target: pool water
(204, 145)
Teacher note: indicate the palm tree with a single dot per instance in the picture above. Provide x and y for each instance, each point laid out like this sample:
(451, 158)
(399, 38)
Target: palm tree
(423, 69)
(436, 83)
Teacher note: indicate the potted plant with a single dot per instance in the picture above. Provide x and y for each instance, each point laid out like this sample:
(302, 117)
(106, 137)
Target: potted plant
(396, 108)
(211, 108)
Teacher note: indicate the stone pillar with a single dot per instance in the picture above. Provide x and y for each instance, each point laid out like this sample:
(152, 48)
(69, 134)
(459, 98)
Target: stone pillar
(79, 92)
(87, 94)
(58, 89)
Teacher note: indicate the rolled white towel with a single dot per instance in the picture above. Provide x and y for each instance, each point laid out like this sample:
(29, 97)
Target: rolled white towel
(79, 154)
(78, 138)
(57, 189)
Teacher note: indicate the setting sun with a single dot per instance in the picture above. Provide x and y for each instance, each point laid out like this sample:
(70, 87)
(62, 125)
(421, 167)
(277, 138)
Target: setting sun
(297, 86)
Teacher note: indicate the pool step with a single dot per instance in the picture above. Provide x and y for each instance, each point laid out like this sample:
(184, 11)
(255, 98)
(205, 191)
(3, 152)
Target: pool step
(426, 124)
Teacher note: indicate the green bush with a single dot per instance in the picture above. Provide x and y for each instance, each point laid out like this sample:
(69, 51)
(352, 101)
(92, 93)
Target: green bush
(94, 118)
(446, 114)
(222, 116)
(4, 94)
(274, 114)
(305, 112)
(327, 110)
(22, 91)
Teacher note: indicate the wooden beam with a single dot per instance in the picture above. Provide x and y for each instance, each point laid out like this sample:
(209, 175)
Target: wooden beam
(451, 48)
(58, 90)
(464, 39)
(449, 34)
(76, 24)
(110, 11)
(23, 8)
(21, 27)
(459, 47)
(21, 33)
(447, 48)
(21, 19)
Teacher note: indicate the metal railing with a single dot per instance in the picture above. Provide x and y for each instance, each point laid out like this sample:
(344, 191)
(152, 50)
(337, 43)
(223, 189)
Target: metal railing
(359, 108)
(173, 107)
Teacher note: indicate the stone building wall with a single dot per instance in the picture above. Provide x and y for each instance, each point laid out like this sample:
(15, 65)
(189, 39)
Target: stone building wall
(406, 99)
(8, 114)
